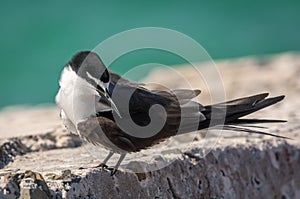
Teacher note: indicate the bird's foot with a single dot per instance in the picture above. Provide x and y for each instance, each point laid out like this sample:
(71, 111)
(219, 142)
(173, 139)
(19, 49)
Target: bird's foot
(101, 166)
(112, 170)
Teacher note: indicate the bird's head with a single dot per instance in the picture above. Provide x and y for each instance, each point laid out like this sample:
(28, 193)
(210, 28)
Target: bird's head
(89, 66)
(90, 75)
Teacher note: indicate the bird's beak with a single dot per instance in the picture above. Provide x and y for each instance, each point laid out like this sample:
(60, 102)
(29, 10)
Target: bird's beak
(114, 107)
(104, 94)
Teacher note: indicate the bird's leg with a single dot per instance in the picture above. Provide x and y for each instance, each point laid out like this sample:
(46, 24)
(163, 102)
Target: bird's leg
(115, 169)
(103, 164)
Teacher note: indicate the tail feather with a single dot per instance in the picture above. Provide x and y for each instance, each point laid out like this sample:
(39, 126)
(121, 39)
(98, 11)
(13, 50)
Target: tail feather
(237, 128)
(252, 126)
(255, 121)
(238, 108)
(246, 100)
(235, 109)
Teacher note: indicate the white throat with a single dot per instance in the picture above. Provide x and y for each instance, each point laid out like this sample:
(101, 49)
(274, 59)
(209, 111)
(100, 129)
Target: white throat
(76, 97)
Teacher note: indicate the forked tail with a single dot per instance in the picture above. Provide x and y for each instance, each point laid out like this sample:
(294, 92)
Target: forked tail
(234, 110)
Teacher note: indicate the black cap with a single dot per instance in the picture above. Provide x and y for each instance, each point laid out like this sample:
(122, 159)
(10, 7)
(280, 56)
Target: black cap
(87, 61)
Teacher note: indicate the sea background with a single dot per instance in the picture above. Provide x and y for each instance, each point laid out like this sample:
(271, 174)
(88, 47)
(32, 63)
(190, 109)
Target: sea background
(38, 37)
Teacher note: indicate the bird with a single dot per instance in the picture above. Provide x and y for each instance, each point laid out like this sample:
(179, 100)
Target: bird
(123, 116)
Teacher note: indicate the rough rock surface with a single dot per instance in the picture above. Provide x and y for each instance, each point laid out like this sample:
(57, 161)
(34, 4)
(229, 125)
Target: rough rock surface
(39, 159)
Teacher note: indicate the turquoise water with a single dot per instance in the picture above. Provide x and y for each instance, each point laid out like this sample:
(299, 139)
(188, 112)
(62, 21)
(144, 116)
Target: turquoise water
(39, 37)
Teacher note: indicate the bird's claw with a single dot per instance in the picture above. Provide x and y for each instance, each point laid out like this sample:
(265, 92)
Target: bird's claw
(113, 172)
(102, 166)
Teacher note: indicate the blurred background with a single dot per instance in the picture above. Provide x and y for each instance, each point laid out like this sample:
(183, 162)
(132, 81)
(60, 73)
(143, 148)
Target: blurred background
(39, 37)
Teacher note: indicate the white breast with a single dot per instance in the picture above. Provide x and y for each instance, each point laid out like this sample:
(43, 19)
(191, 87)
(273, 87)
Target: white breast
(76, 97)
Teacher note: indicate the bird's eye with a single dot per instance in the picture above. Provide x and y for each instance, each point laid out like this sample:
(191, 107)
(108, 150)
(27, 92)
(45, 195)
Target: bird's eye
(105, 76)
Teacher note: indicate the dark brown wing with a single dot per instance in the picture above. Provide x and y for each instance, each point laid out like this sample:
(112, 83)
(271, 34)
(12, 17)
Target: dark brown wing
(134, 101)
(135, 104)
